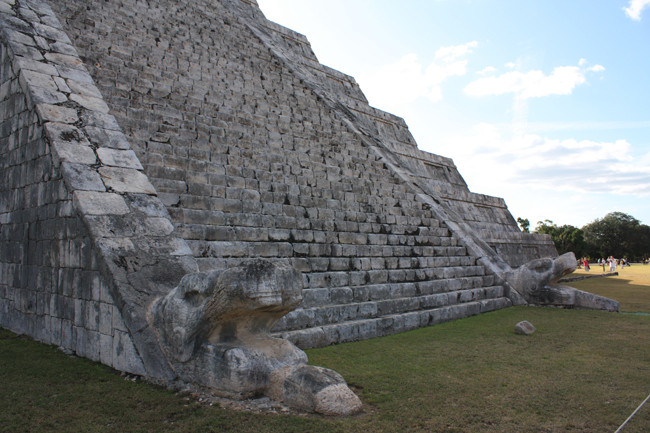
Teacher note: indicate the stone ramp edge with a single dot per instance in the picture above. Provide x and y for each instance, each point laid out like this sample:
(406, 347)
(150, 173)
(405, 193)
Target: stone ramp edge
(131, 230)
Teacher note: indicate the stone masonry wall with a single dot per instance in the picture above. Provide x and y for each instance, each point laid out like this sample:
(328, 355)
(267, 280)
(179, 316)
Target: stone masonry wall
(173, 137)
(50, 284)
(86, 244)
(251, 164)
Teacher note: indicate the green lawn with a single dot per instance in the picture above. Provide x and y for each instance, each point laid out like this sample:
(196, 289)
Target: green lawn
(631, 288)
(582, 371)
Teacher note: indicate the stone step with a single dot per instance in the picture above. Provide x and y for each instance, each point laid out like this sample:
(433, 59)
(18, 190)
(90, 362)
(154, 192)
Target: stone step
(316, 297)
(407, 253)
(354, 330)
(315, 280)
(330, 314)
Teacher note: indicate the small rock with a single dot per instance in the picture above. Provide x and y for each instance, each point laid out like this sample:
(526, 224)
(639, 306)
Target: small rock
(524, 327)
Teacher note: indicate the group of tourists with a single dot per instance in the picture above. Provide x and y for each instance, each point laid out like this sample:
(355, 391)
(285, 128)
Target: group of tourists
(611, 262)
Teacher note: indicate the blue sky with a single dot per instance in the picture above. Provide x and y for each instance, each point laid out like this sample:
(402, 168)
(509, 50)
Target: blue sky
(544, 103)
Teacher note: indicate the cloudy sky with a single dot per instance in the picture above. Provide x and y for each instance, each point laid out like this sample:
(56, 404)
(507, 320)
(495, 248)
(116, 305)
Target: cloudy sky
(545, 103)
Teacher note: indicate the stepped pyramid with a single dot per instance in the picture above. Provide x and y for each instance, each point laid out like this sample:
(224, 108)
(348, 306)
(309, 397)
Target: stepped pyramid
(143, 141)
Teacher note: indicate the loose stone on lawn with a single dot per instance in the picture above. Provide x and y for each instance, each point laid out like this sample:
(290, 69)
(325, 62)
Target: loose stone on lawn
(524, 328)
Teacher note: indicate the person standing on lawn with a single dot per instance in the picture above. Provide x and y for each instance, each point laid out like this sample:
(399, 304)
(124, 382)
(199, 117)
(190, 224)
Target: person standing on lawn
(586, 263)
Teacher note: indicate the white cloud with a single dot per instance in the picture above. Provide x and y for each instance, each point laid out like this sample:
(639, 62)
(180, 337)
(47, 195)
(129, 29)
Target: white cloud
(449, 54)
(582, 62)
(634, 9)
(596, 68)
(487, 70)
(532, 84)
(491, 160)
(407, 79)
(510, 65)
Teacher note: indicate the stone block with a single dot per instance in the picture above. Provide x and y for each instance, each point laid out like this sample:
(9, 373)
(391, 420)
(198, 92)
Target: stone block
(55, 113)
(82, 342)
(65, 60)
(21, 63)
(83, 88)
(99, 120)
(72, 153)
(119, 158)
(525, 328)
(29, 79)
(90, 102)
(98, 203)
(105, 318)
(68, 336)
(82, 177)
(111, 138)
(74, 74)
(63, 132)
(106, 349)
(51, 33)
(126, 180)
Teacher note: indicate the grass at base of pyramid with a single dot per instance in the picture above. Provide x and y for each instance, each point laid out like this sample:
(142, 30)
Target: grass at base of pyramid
(582, 371)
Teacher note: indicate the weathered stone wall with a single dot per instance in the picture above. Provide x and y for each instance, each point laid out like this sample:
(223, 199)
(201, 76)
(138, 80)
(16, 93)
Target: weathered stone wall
(251, 164)
(86, 244)
(236, 144)
(50, 284)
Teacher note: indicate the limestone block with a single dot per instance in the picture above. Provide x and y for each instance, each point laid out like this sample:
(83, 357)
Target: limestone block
(525, 328)
(100, 120)
(147, 204)
(40, 95)
(57, 131)
(82, 177)
(62, 48)
(98, 203)
(119, 158)
(21, 63)
(72, 153)
(106, 349)
(74, 74)
(65, 60)
(126, 180)
(5, 8)
(107, 138)
(55, 113)
(92, 345)
(36, 79)
(90, 102)
(51, 33)
(14, 23)
(83, 88)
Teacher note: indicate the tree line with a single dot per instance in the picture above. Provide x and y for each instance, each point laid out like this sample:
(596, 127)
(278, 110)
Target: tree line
(617, 234)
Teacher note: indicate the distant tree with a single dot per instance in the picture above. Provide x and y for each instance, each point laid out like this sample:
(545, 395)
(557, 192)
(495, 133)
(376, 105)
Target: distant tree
(566, 238)
(620, 235)
(524, 224)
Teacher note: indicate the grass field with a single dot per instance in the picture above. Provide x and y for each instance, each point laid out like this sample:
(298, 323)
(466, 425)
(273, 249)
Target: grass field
(582, 371)
(630, 288)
